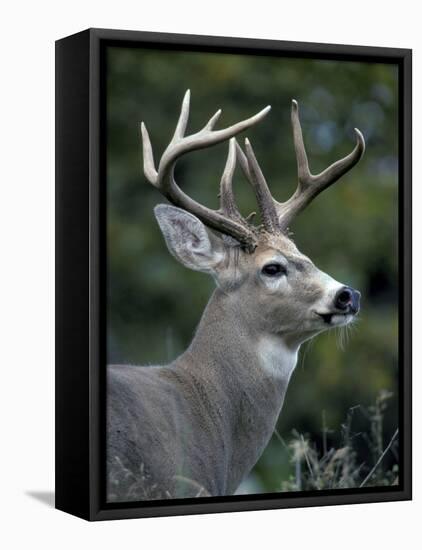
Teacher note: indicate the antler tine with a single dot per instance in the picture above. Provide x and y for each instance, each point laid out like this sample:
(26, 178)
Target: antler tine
(149, 165)
(263, 195)
(227, 203)
(213, 120)
(183, 118)
(310, 185)
(180, 144)
(304, 174)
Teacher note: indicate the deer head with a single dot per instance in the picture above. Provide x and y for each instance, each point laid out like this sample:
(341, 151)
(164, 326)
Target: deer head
(275, 288)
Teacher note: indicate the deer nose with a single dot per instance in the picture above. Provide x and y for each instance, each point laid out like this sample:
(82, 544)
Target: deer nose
(347, 298)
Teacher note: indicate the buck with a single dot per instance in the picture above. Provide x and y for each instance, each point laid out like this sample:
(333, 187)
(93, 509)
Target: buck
(198, 425)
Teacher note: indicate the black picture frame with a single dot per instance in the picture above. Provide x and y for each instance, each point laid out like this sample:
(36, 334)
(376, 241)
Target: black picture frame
(80, 273)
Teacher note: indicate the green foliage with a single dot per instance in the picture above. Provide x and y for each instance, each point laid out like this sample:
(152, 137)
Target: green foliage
(350, 231)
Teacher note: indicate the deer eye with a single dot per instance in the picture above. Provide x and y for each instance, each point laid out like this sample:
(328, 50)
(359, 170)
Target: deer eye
(274, 270)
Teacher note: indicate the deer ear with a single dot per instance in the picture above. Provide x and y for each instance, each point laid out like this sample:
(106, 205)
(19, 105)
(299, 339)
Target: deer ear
(189, 240)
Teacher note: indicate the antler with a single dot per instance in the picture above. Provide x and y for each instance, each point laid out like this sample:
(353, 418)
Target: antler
(309, 185)
(277, 216)
(227, 219)
(266, 203)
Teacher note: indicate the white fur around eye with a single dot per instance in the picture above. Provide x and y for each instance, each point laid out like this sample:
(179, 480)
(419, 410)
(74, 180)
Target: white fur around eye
(274, 284)
(277, 282)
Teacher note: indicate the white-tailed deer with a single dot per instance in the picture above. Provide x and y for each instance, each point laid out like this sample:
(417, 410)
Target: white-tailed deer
(198, 425)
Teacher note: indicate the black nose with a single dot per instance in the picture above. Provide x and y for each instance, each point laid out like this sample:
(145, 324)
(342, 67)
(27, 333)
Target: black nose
(347, 299)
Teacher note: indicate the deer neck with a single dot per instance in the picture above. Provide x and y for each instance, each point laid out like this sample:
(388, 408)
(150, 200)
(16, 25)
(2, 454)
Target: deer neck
(245, 375)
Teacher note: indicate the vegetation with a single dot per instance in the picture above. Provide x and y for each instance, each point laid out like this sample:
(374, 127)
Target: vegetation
(317, 466)
(350, 232)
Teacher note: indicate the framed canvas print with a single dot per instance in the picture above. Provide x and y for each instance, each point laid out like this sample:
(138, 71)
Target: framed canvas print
(233, 274)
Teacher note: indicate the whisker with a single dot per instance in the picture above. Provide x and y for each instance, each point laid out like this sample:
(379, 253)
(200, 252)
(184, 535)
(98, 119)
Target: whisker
(308, 345)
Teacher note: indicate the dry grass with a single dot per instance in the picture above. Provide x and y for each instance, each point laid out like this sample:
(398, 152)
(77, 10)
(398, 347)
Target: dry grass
(316, 467)
(124, 485)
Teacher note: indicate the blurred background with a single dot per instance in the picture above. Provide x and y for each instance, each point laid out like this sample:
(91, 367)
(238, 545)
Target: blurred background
(341, 409)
